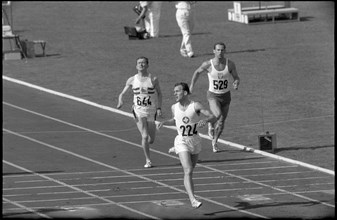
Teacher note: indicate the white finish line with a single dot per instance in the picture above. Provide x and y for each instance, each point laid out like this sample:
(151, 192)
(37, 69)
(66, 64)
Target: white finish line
(242, 147)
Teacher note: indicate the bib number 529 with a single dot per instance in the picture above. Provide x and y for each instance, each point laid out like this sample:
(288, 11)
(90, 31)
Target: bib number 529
(220, 84)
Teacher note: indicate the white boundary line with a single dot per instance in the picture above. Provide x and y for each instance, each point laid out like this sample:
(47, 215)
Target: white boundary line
(242, 147)
(76, 188)
(143, 177)
(125, 172)
(24, 208)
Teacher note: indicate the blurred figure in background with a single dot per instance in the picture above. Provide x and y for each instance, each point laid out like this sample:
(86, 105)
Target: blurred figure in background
(151, 11)
(185, 19)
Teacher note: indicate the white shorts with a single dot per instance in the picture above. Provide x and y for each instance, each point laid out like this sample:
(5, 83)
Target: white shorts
(139, 112)
(186, 143)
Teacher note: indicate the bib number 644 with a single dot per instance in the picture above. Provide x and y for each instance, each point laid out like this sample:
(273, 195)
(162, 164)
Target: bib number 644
(144, 101)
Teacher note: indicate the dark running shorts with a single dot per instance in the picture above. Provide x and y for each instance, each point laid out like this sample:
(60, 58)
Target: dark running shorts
(223, 99)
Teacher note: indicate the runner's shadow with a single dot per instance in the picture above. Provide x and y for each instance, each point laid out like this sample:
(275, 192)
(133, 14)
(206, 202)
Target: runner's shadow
(238, 159)
(247, 205)
(302, 148)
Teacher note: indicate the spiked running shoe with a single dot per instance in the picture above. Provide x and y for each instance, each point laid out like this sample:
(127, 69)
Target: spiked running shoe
(215, 148)
(148, 164)
(196, 204)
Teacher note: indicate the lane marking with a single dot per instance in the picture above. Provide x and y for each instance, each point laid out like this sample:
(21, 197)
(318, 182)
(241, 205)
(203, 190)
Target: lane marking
(253, 198)
(169, 203)
(242, 147)
(123, 171)
(134, 144)
(79, 190)
(23, 207)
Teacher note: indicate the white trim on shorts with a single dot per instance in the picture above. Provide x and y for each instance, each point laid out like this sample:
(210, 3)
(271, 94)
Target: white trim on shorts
(150, 114)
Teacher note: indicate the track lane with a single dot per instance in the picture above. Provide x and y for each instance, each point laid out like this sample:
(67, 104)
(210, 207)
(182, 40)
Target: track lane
(235, 156)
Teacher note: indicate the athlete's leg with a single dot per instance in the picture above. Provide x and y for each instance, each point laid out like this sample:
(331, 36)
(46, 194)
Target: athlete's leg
(187, 164)
(152, 131)
(221, 123)
(215, 108)
(143, 129)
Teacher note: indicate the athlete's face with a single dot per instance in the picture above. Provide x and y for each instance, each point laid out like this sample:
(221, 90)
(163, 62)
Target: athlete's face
(142, 64)
(179, 93)
(219, 51)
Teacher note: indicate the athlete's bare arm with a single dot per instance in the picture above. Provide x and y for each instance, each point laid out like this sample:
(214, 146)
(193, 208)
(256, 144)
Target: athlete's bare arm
(202, 69)
(160, 96)
(209, 116)
(233, 72)
(168, 122)
(128, 85)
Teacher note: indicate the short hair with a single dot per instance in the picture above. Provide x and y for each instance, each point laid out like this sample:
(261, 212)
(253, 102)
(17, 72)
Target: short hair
(219, 43)
(145, 58)
(184, 86)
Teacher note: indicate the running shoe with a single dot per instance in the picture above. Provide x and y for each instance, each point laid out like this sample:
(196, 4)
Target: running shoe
(190, 54)
(215, 147)
(196, 204)
(148, 164)
(210, 131)
(172, 150)
(183, 53)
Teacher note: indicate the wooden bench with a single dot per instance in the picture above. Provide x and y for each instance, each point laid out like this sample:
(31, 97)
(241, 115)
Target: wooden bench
(262, 13)
(292, 12)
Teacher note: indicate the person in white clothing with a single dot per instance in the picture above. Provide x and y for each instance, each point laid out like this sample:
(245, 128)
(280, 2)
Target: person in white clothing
(221, 71)
(187, 144)
(185, 19)
(151, 10)
(146, 104)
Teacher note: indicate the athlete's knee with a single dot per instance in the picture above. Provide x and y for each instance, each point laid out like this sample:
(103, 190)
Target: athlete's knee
(188, 170)
(145, 136)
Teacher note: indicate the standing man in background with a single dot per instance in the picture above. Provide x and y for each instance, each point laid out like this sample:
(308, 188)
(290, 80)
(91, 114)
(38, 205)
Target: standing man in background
(185, 19)
(220, 72)
(151, 11)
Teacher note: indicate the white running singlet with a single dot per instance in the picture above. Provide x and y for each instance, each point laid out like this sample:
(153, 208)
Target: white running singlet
(186, 121)
(219, 80)
(144, 96)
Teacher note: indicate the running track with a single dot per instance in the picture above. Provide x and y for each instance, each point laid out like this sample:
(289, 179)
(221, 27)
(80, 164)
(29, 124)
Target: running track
(63, 158)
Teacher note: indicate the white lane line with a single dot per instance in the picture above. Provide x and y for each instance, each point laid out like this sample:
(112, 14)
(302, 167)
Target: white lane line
(182, 199)
(23, 207)
(123, 171)
(331, 172)
(134, 144)
(167, 179)
(154, 168)
(79, 190)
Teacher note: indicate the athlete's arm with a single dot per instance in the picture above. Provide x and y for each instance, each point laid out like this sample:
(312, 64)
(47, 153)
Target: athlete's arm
(160, 96)
(128, 84)
(209, 116)
(202, 69)
(233, 72)
(168, 122)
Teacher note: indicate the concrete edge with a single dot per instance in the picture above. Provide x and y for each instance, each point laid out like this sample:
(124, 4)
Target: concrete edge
(242, 147)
